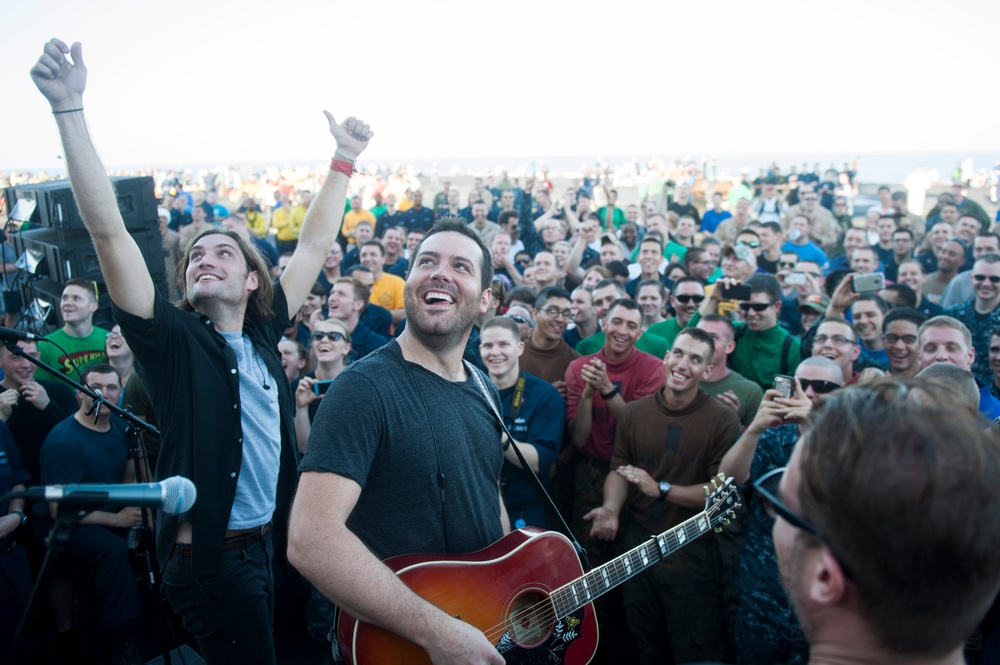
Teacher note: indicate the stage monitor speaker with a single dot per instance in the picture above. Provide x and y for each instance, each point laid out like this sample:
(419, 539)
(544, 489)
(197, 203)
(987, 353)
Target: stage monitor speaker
(55, 207)
(64, 255)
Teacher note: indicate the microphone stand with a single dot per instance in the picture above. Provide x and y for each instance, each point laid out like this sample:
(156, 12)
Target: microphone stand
(74, 508)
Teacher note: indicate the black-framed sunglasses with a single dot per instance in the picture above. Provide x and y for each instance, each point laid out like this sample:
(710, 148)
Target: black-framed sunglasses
(819, 387)
(752, 244)
(689, 299)
(517, 318)
(332, 335)
(766, 488)
(994, 279)
(755, 306)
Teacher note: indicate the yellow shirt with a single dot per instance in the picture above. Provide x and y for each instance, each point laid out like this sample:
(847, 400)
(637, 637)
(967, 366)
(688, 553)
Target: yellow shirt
(257, 224)
(351, 220)
(387, 291)
(288, 222)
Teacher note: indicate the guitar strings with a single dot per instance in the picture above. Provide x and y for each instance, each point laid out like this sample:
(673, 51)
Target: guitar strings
(544, 612)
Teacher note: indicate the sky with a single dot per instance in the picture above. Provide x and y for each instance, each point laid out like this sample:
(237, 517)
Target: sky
(218, 81)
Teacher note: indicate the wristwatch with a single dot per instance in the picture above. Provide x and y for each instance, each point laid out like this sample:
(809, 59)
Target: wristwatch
(664, 490)
(20, 514)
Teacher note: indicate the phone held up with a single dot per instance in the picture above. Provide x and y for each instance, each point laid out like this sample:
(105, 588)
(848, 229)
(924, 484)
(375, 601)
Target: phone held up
(320, 387)
(868, 282)
(784, 384)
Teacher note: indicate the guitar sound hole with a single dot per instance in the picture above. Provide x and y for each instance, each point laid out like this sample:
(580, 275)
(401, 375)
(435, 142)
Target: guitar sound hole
(530, 617)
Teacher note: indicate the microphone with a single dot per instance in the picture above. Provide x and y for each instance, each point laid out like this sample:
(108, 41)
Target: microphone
(173, 496)
(17, 335)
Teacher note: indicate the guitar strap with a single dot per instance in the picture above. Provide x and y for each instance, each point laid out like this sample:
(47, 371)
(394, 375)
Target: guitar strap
(551, 512)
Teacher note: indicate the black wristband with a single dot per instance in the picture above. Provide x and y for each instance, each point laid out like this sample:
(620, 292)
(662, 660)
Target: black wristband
(610, 394)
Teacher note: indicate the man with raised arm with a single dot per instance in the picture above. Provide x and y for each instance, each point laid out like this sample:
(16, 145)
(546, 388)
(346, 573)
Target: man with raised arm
(422, 472)
(214, 376)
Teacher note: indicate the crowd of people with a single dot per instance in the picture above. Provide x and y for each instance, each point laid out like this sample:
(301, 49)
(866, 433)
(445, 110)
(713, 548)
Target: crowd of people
(842, 365)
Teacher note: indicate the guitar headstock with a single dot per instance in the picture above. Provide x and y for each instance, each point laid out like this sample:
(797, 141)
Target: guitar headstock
(722, 501)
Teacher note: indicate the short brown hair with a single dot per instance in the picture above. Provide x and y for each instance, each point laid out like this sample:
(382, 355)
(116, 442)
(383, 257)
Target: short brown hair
(904, 492)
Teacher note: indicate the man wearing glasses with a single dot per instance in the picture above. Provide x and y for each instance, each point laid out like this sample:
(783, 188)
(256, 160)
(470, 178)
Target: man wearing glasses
(980, 313)
(763, 348)
(688, 295)
(899, 335)
(903, 569)
(546, 354)
(960, 289)
(835, 339)
(766, 630)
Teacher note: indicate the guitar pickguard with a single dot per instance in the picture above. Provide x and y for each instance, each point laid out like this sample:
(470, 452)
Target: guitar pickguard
(551, 651)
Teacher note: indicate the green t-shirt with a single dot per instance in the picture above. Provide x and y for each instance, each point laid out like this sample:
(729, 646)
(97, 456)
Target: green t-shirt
(748, 392)
(666, 329)
(83, 351)
(672, 248)
(758, 353)
(651, 344)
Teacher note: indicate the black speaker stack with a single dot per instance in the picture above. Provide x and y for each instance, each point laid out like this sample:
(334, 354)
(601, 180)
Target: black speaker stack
(54, 234)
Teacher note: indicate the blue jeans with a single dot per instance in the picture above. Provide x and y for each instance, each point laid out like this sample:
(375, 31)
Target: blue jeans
(229, 611)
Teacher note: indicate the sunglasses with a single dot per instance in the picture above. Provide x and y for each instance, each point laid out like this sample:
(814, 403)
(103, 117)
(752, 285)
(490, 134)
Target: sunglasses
(332, 335)
(517, 318)
(752, 244)
(994, 279)
(684, 300)
(766, 489)
(755, 306)
(819, 387)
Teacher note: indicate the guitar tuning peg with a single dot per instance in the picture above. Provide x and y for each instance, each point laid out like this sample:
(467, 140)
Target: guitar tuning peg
(715, 485)
(705, 487)
(717, 529)
(726, 521)
(722, 478)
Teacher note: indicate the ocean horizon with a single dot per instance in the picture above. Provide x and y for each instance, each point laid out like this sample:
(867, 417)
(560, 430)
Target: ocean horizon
(887, 167)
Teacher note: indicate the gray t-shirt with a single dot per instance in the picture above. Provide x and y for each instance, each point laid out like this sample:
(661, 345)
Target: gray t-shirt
(426, 452)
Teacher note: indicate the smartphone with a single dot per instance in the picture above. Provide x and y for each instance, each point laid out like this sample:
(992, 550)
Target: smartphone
(795, 278)
(784, 384)
(741, 292)
(320, 387)
(872, 281)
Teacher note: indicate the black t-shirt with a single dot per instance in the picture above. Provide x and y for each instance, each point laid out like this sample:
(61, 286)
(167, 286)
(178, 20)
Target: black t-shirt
(686, 209)
(425, 451)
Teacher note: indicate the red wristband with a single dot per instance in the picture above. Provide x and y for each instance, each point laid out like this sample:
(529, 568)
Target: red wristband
(342, 166)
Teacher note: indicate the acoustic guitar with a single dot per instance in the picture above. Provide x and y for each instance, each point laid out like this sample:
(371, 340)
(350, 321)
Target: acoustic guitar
(527, 592)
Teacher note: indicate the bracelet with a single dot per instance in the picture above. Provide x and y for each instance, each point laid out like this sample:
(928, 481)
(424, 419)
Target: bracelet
(610, 394)
(344, 166)
(340, 155)
(67, 111)
(20, 515)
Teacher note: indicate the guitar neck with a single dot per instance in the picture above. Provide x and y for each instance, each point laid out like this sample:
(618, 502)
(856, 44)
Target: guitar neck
(600, 580)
